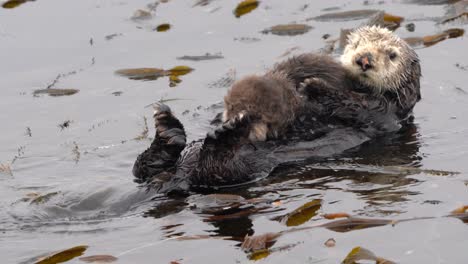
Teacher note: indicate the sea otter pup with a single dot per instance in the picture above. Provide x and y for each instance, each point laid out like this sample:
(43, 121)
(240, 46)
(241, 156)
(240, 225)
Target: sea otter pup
(274, 99)
(332, 118)
(271, 100)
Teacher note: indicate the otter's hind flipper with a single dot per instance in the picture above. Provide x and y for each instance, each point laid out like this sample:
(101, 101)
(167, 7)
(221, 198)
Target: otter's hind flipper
(169, 141)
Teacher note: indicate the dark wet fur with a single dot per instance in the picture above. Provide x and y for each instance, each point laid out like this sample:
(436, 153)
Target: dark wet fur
(311, 65)
(337, 114)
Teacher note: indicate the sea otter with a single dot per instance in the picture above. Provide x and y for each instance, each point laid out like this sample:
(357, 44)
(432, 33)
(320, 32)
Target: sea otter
(375, 61)
(333, 117)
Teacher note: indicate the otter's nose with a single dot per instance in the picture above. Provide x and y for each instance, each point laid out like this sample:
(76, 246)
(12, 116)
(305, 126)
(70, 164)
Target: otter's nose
(365, 62)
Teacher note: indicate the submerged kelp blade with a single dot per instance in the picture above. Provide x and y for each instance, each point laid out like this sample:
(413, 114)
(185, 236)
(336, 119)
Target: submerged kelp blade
(13, 3)
(142, 73)
(352, 224)
(346, 15)
(360, 253)
(63, 256)
(180, 70)
(245, 7)
(303, 213)
(163, 27)
(288, 29)
(56, 92)
(99, 259)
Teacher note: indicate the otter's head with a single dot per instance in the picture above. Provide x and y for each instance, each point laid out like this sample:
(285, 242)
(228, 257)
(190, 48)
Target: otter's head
(379, 59)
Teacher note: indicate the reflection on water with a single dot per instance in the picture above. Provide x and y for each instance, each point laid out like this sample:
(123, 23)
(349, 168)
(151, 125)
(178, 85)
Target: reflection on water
(375, 173)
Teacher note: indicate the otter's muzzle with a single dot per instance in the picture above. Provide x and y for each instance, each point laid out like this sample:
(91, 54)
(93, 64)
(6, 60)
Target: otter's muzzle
(365, 61)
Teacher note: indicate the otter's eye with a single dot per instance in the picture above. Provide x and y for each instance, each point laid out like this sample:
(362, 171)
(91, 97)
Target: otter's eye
(392, 55)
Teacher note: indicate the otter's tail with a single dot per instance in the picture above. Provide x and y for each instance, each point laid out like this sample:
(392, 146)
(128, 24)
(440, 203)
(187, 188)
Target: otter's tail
(169, 141)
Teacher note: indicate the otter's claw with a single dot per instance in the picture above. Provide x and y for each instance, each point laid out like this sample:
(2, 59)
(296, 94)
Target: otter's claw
(231, 131)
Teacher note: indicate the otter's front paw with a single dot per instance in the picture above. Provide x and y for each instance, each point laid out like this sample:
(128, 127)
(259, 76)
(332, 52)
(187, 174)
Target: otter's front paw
(233, 128)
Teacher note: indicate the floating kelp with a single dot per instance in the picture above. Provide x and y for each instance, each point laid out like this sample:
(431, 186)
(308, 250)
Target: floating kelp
(14, 3)
(431, 40)
(245, 7)
(454, 32)
(99, 259)
(393, 18)
(336, 215)
(62, 256)
(163, 27)
(354, 223)
(460, 210)
(142, 73)
(360, 253)
(207, 56)
(180, 70)
(302, 214)
(55, 92)
(288, 29)
(386, 20)
(150, 74)
(346, 15)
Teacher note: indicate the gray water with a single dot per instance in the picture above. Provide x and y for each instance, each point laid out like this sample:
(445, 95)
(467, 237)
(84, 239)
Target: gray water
(86, 166)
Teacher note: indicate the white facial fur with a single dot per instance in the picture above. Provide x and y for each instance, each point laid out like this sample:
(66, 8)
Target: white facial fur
(391, 58)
